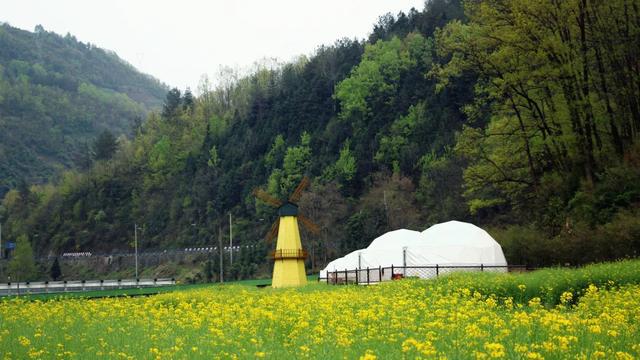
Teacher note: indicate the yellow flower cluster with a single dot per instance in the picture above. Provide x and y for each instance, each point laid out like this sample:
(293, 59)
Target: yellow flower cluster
(402, 319)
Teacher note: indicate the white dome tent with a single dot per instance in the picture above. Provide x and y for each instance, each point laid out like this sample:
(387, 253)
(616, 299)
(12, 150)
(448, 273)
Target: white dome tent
(395, 238)
(349, 261)
(446, 245)
(457, 243)
(382, 252)
(379, 253)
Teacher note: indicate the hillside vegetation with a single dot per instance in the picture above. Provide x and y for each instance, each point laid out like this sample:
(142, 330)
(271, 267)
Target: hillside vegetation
(520, 117)
(56, 95)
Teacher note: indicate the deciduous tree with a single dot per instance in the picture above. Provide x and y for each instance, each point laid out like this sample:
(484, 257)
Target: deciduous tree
(22, 266)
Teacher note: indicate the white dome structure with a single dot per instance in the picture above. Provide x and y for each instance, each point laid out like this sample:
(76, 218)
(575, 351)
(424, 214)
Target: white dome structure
(394, 239)
(453, 243)
(457, 243)
(347, 262)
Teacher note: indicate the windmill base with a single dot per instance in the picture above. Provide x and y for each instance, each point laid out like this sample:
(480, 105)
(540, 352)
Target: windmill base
(288, 266)
(288, 273)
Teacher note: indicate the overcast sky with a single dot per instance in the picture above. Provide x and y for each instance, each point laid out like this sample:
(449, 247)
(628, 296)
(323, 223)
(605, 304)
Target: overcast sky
(178, 41)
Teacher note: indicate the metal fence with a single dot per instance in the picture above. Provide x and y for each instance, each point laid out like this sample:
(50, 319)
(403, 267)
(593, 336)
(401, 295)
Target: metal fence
(376, 275)
(42, 287)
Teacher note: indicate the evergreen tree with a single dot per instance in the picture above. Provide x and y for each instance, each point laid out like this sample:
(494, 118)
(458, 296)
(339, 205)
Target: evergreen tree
(171, 103)
(24, 191)
(55, 271)
(209, 270)
(187, 100)
(136, 126)
(84, 158)
(105, 146)
(22, 266)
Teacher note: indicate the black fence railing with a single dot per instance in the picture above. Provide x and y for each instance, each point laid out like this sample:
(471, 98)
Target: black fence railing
(380, 274)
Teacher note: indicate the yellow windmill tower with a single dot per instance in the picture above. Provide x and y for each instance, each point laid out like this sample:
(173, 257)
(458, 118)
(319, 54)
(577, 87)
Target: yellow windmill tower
(288, 257)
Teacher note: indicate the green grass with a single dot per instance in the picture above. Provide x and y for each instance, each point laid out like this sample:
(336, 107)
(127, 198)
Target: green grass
(549, 284)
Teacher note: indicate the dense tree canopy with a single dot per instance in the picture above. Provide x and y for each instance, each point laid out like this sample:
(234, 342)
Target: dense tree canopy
(519, 116)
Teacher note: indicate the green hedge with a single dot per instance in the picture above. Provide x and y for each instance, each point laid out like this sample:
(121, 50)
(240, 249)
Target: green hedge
(547, 284)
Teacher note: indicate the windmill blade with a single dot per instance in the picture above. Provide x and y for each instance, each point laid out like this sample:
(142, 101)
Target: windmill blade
(310, 225)
(266, 197)
(297, 193)
(273, 232)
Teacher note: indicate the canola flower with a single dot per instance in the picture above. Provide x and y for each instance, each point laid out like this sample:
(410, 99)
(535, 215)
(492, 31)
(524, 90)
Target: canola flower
(405, 319)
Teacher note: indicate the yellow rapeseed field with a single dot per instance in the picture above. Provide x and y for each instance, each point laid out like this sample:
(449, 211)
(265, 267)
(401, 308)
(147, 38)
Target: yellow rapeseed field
(405, 319)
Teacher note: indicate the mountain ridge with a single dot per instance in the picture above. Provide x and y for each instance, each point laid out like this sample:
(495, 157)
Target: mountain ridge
(75, 90)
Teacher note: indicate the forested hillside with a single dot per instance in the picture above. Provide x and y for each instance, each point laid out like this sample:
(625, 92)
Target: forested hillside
(521, 117)
(56, 95)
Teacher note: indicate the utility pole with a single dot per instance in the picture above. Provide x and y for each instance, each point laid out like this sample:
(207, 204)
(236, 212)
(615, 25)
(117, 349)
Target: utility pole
(135, 244)
(230, 241)
(386, 208)
(220, 251)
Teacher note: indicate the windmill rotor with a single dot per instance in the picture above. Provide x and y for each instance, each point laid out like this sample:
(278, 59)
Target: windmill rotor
(267, 198)
(308, 224)
(273, 232)
(297, 193)
(288, 207)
